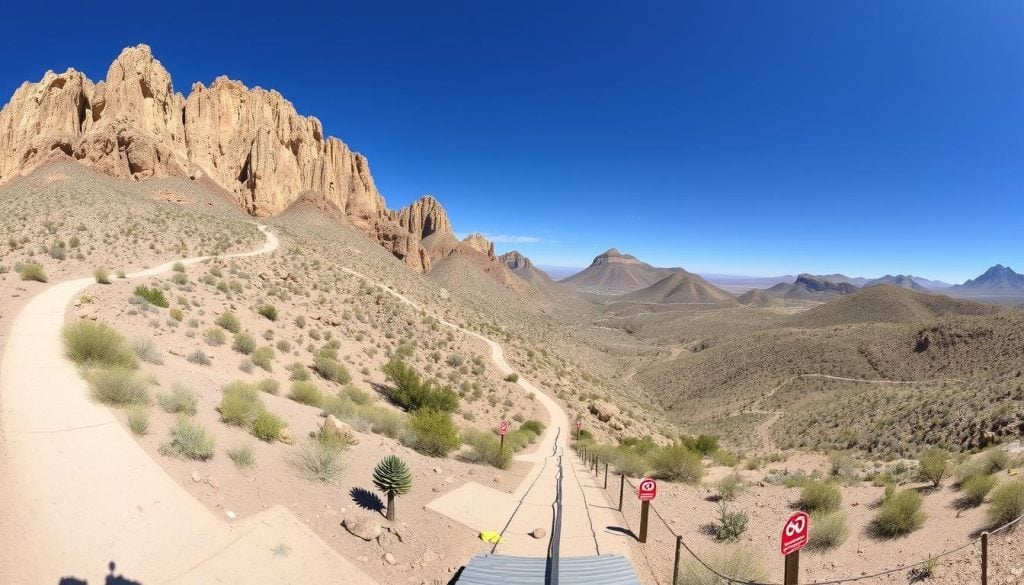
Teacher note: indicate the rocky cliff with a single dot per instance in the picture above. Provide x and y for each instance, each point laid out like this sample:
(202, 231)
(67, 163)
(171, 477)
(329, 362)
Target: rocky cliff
(250, 142)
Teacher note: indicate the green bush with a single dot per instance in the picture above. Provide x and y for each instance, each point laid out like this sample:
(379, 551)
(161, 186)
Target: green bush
(152, 295)
(412, 393)
(703, 444)
(244, 343)
(181, 400)
(828, 530)
(146, 350)
(215, 337)
(357, 395)
(33, 271)
(240, 404)
(102, 275)
(243, 456)
(118, 387)
(263, 357)
(1006, 502)
(900, 514)
(731, 525)
(534, 426)
(306, 393)
(269, 386)
(268, 311)
(382, 421)
(392, 476)
(970, 469)
(318, 462)
(330, 369)
(90, 343)
(299, 372)
(138, 421)
(513, 377)
(177, 314)
(975, 489)
(934, 465)
(730, 486)
(433, 432)
(198, 357)
(677, 463)
(819, 496)
(485, 448)
(735, 562)
(997, 459)
(267, 426)
(178, 267)
(229, 321)
(189, 440)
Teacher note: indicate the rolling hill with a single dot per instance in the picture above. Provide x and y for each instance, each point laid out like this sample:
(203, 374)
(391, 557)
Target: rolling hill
(614, 273)
(811, 288)
(886, 303)
(900, 280)
(679, 287)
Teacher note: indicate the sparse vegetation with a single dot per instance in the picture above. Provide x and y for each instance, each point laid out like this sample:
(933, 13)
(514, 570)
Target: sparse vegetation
(306, 393)
(240, 404)
(118, 387)
(138, 421)
(330, 369)
(899, 514)
(828, 530)
(33, 271)
(267, 426)
(432, 433)
(189, 440)
(151, 295)
(318, 461)
(242, 456)
(731, 525)
(180, 400)
(412, 393)
(268, 311)
(819, 496)
(229, 321)
(934, 465)
(91, 343)
(1006, 502)
(102, 275)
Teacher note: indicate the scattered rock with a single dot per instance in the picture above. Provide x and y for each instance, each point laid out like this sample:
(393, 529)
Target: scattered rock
(362, 526)
(390, 559)
(230, 515)
(539, 533)
(428, 557)
(196, 478)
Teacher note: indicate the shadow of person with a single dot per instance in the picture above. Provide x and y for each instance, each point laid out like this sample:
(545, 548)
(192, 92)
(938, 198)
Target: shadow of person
(71, 581)
(113, 579)
(366, 499)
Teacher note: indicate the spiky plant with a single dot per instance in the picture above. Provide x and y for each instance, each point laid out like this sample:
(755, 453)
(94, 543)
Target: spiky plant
(392, 477)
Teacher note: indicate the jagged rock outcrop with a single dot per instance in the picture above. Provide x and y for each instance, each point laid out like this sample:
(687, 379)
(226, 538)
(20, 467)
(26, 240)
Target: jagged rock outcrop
(250, 142)
(515, 261)
(481, 244)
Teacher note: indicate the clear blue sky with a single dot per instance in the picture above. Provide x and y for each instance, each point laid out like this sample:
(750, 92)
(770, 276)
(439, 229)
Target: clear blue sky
(754, 137)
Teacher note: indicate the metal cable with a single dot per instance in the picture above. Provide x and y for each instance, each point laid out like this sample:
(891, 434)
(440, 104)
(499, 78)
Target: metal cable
(554, 452)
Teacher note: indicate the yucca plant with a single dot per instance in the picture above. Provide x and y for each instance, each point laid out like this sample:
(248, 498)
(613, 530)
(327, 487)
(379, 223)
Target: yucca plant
(392, 477)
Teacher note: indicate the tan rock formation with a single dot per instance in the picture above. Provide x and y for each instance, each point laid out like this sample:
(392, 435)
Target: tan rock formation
(250, 142)
(481, 244)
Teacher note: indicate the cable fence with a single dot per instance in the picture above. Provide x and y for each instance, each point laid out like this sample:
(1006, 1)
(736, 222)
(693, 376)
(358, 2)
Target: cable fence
(993, 556)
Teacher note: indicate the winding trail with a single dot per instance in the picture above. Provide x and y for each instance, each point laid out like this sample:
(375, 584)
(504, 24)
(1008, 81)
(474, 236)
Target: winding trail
(586, 516)
(763, 431)
(81, 493)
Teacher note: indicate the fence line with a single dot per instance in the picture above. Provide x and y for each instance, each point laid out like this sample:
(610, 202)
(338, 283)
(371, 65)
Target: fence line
(680, 543)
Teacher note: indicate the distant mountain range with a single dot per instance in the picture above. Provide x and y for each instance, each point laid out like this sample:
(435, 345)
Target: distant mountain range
(998, 281)
(613, 273)
(811, 288)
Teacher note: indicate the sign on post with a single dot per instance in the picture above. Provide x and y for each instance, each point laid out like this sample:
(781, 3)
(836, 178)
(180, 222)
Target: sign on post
(646, 491)
(794, 537)
(579, 425)
(502, 431)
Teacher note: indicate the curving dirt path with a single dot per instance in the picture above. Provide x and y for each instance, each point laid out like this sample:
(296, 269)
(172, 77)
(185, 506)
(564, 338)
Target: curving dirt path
(763, 431)
(80, 493)
(586, 515)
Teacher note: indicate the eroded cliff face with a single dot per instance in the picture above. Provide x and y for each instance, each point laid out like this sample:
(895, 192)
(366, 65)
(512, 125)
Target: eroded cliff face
(250, 142)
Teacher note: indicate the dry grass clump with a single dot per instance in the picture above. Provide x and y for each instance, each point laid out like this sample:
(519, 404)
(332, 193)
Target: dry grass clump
(90, 343)
(819, 496)
(180, 400)
(306, 393)
(735, 562)
(102, 275)
(240, 404)
(318, 461)
(899, 514)
(118, 387)
(243, 456)
(146, 350)
(828, 530)
(1007, 502)
(229, 321)
(138, 421)
(267, 426)
(33, 271)
(189, 440)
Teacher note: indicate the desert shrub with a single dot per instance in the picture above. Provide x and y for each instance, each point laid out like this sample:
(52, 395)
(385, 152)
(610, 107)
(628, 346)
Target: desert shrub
(177, 314)
(242, 456)
(199, 357)
(244, 343)
(189, 440)
(215, 337)
(934, 465)
(974, 490)
(152, 295)
(299, 372)
(102, 275)
(382, 421)
(318, 462)
(677, 463)
(900, 514)
(89, 343)
(730, 486)
(263, 357)
(513, 377)
(997, 459)
(413, 393)
(180, 400)
(284, 346)
(1006, 502)
(33, 271)
(240, 404)
(300, 321)
(147, 351)
(828, 530)
(267, 426)
(703, 444)
(731, 525)
(433, 433)
(485, 449)
(268, 311)
(534, 426)
(138, 421)
(179, 278)
(735, 562)
(229, 321)
(630, 463)
(306, 393)
(357, 395)
(970, 469)
(178, 267)
(118, 387)
(724, 458)
(330, 369)
(268, 385)
(819, 496)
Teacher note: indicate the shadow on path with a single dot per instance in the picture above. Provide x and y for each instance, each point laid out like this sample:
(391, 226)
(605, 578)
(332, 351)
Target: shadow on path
(110, 579)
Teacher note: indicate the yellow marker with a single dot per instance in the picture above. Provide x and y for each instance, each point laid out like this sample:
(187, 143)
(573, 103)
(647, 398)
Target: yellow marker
(1013, 472)
(490, 536)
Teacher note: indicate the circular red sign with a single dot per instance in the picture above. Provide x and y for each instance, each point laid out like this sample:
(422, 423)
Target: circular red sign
(503, 429)
(647, 490)
(794, 533)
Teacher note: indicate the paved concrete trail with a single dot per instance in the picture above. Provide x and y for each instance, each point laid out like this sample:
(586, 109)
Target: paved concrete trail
(586, 515)
(80, 493)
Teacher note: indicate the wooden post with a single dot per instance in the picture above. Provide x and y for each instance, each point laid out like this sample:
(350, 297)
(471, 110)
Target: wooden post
(597, 462)
(622, 488)
(645, 508)
(501, 445)
(792, 568)
(984, 558)
(675, 565)
(605, 475)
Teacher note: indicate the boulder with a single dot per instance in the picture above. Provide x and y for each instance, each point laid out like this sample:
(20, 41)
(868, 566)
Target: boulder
(362, 526)
(336, 429)
(539, 533)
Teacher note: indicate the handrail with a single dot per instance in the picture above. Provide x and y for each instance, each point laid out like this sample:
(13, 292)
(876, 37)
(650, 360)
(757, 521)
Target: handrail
(551, 570)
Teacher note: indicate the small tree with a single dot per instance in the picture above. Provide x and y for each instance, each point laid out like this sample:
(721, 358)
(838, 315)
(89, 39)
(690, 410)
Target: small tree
(392, 477)
(934, 465)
